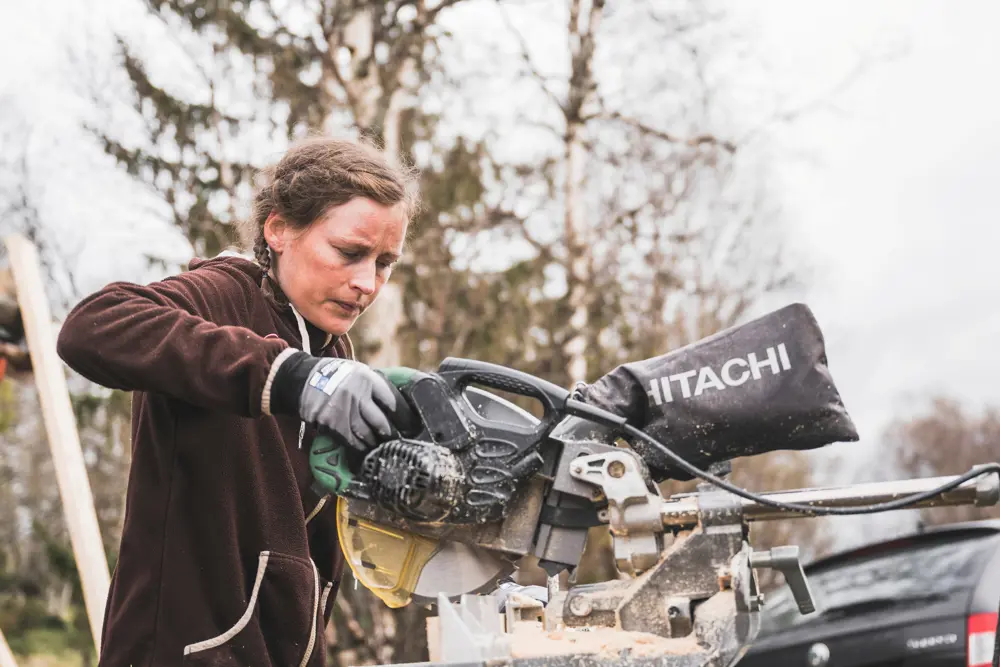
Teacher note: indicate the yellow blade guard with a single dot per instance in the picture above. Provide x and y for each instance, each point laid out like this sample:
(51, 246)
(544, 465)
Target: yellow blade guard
(387, 561)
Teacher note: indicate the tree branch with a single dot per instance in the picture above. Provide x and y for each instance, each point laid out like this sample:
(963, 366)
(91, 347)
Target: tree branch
(499, 217)
(431, 14)
(155, 12)
(694, 142)
(820, 102)
(540, 78)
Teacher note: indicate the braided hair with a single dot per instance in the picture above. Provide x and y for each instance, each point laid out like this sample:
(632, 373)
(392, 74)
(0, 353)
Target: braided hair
(321, 173)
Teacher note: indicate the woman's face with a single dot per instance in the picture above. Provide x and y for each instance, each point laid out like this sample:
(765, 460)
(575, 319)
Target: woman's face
(333, 270)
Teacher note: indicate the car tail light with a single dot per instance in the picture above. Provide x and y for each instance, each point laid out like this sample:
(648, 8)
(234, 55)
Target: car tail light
(982, 635)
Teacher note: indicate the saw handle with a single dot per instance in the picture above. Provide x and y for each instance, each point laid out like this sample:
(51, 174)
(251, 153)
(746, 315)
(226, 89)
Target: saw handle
(330, 459)
(460, 373)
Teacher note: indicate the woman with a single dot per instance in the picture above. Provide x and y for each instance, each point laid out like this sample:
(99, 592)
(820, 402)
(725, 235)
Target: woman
(227, 556)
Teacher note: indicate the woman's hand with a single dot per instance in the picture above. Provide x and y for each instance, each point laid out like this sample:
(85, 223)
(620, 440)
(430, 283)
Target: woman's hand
(345, 398)
(351, 400)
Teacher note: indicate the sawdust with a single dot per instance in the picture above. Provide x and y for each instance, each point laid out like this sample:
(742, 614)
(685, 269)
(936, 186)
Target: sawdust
(531, 640)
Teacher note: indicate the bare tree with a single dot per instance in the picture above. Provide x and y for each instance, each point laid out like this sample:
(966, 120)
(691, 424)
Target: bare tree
(663, 239)
(946, 438)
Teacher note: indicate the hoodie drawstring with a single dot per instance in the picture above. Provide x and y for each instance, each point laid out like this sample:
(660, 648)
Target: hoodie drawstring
(307, 348)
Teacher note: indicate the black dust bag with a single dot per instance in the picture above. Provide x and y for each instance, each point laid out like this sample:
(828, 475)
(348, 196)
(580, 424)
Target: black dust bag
(751, 389)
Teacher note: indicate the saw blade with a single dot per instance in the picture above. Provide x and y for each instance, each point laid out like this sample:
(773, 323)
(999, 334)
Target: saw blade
(457, 569)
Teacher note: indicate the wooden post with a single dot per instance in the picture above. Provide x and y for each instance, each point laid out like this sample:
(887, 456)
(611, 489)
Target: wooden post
(60, 427)
(6, 655)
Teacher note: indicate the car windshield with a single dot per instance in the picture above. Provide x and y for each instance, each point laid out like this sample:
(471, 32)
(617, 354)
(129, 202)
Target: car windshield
(912, 573)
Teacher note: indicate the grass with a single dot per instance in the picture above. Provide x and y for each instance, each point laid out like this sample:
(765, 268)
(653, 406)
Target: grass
(46, 647)
(49, 661)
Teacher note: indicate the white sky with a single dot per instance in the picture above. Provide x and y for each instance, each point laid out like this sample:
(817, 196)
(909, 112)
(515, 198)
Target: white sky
(896, 205)
(902, 211)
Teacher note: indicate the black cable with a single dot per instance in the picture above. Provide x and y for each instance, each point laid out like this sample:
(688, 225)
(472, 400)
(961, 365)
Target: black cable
(579, 408)
(899, 503)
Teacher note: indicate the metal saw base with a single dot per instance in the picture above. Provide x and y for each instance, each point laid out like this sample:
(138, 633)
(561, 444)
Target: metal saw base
(473, 634)
(574, 660)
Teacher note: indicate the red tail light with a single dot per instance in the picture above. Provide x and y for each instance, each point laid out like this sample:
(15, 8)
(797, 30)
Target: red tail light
(982, 635)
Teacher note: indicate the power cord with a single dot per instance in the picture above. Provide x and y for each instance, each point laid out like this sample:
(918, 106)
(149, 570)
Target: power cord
(899, 503)
(597, 415)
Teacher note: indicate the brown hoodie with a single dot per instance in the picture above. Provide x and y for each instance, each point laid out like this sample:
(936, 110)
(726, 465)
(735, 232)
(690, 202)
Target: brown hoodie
(227, 557)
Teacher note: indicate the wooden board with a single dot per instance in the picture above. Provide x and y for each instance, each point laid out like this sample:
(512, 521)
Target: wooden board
(60, 427)
(6, 655)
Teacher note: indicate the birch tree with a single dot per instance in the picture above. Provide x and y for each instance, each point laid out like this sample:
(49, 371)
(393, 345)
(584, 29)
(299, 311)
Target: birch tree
(664, 235)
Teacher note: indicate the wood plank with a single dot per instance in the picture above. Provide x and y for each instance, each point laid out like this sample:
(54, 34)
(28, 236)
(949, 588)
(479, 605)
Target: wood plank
(60, 426)
(6, 655)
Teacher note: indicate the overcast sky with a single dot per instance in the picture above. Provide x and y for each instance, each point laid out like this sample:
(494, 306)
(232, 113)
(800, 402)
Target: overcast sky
(900, 214)
(896, 208)
(902, 211)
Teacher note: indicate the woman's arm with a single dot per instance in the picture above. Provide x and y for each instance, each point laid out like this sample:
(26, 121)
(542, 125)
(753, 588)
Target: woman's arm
(186, 337)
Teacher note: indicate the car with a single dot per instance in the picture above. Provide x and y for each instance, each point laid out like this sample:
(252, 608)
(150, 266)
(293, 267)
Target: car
(927, 599)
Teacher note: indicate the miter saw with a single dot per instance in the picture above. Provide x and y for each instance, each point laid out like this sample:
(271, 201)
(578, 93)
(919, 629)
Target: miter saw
(448, 512)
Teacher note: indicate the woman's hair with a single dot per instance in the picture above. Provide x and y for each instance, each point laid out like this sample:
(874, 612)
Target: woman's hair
(320, 173)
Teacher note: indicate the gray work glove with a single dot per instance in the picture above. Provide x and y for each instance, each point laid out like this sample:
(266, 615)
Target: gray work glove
(356, 405)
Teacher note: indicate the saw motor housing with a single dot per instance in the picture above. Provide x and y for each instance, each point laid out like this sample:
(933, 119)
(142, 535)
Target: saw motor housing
(461, 467)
